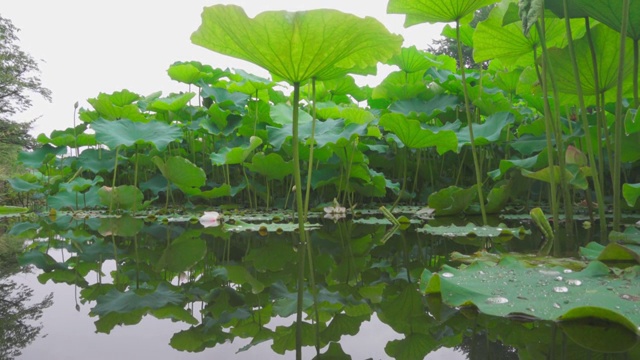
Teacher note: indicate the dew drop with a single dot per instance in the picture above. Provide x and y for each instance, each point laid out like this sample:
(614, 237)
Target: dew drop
(574, 282)
(556, 305)
(446, 275)
(567, 271)
(497, 300)
(558, 278)
(561, 289)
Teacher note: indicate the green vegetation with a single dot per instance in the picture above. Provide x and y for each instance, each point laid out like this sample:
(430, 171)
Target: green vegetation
(434, 133)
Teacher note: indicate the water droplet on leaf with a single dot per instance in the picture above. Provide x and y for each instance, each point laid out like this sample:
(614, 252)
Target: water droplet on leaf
(561, 289)
(497, 300)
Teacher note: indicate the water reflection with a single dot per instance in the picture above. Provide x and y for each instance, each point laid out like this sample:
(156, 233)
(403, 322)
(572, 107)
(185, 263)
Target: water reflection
(268, 289)
(19, 315)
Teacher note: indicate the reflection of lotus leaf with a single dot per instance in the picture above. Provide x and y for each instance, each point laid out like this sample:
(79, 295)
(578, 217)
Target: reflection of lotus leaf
(471, 230)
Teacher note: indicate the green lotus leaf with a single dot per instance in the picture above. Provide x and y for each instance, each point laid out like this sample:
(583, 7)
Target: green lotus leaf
(631, 192)
(451, 200)
(606, 42)
(498, 198)
(472, 231)
(221, 125)
(356, 115)
(183, 252)
(240, 226)
(543, 293)
(466, 34)
(284, 338)
(272, 166)
(128, 133)
(399, 85)
(631, 122)
(412, 60)
(124, 197)
(281, 114)
(435, 11)
(199, 338)
(217, 192)
(574, 174)
(76, 201)
(235, 155)
(81, 184)
(21, 185)
(45, 154)
(71, 137)
(327, 132)
(193, 71)
(225, 100)
(116, 106)
(426, 109)
(488, 132)
(181, 172)
(250, 84)
(341, 87)
(296, 46)
(610, 14)
(171, 103)
(414, 136)
(97, 160)
(526, 163)
(631, 235)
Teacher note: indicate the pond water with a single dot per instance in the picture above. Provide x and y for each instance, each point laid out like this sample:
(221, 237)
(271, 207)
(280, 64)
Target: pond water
(128, 288)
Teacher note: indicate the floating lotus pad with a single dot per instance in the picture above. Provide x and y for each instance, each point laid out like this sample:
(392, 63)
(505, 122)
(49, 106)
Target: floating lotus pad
(558, 294)
(471, 230)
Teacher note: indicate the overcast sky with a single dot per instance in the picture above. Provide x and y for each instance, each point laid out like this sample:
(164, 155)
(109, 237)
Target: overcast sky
(88, 47)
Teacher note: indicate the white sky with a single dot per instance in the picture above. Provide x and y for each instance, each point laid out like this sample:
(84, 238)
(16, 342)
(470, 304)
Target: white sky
(89, 46)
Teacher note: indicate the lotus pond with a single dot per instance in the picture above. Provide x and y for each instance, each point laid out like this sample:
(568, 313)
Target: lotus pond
(232, 290)
(307, 214)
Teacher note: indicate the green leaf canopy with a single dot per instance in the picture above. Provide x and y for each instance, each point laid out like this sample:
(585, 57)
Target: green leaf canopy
(127, 133)
(296, 46)
(434, 11)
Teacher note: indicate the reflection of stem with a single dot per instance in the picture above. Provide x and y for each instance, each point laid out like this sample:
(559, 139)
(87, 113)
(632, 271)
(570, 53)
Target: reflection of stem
(314, 292)
(301, 258)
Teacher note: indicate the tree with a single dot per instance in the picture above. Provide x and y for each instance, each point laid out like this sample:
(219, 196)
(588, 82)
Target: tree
(18, 74)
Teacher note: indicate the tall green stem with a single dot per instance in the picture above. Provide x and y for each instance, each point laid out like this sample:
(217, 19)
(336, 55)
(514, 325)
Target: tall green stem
(585, 123)
(617, 152)
(311, 145)
(467, 108)
(296, 162)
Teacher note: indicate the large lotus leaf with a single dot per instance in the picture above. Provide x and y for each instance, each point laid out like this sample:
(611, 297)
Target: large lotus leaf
(526, 163)
(342, 86)
(414, 136)
(181, 172)
(221, 125)
(606, 42)
(488, 132)
(610, 13)
(81, 184)
(492, 40)
(631, 192)
(574, 174)
(72, 200)
(97, 160)
(296, 46)
(182, 253)
(21, 185)
(272, 166)
(171, 103)
(326, 132)
(631, 235)
(249, 83)
(466, 33)
(498, 198)
(435, 11)
(225, 100)
(411, 60)
(217, 192)
(124, 197)
(71, 137)
(451, 200)
(126, 132)
(193, 71)
(631, 146)
(472, 231)
(399, 85)
(553, 294)
(281, 114)
(235, 155)
(34, 159)
(116, 106)
(425, 109)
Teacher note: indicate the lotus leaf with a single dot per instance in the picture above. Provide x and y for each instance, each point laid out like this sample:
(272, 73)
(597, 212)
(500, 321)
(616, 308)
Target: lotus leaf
(272, 166)
(555, 294)
(451, 200)
(81, 184)
(412, 60)
(240, 226)
(115, 106)
(426, 109)
(434, 11)
(414, 136)
(45, 154)
(296, 46)
(21, 185)
(97, 160)
(71, 137)
(235, 155)
(171, 103)
(10, 210)
(181, 172)
(193, 71)
(488, 132)
(472, 231)
(124, 197)
(128, 133)
(72, 200)
(225, 100)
